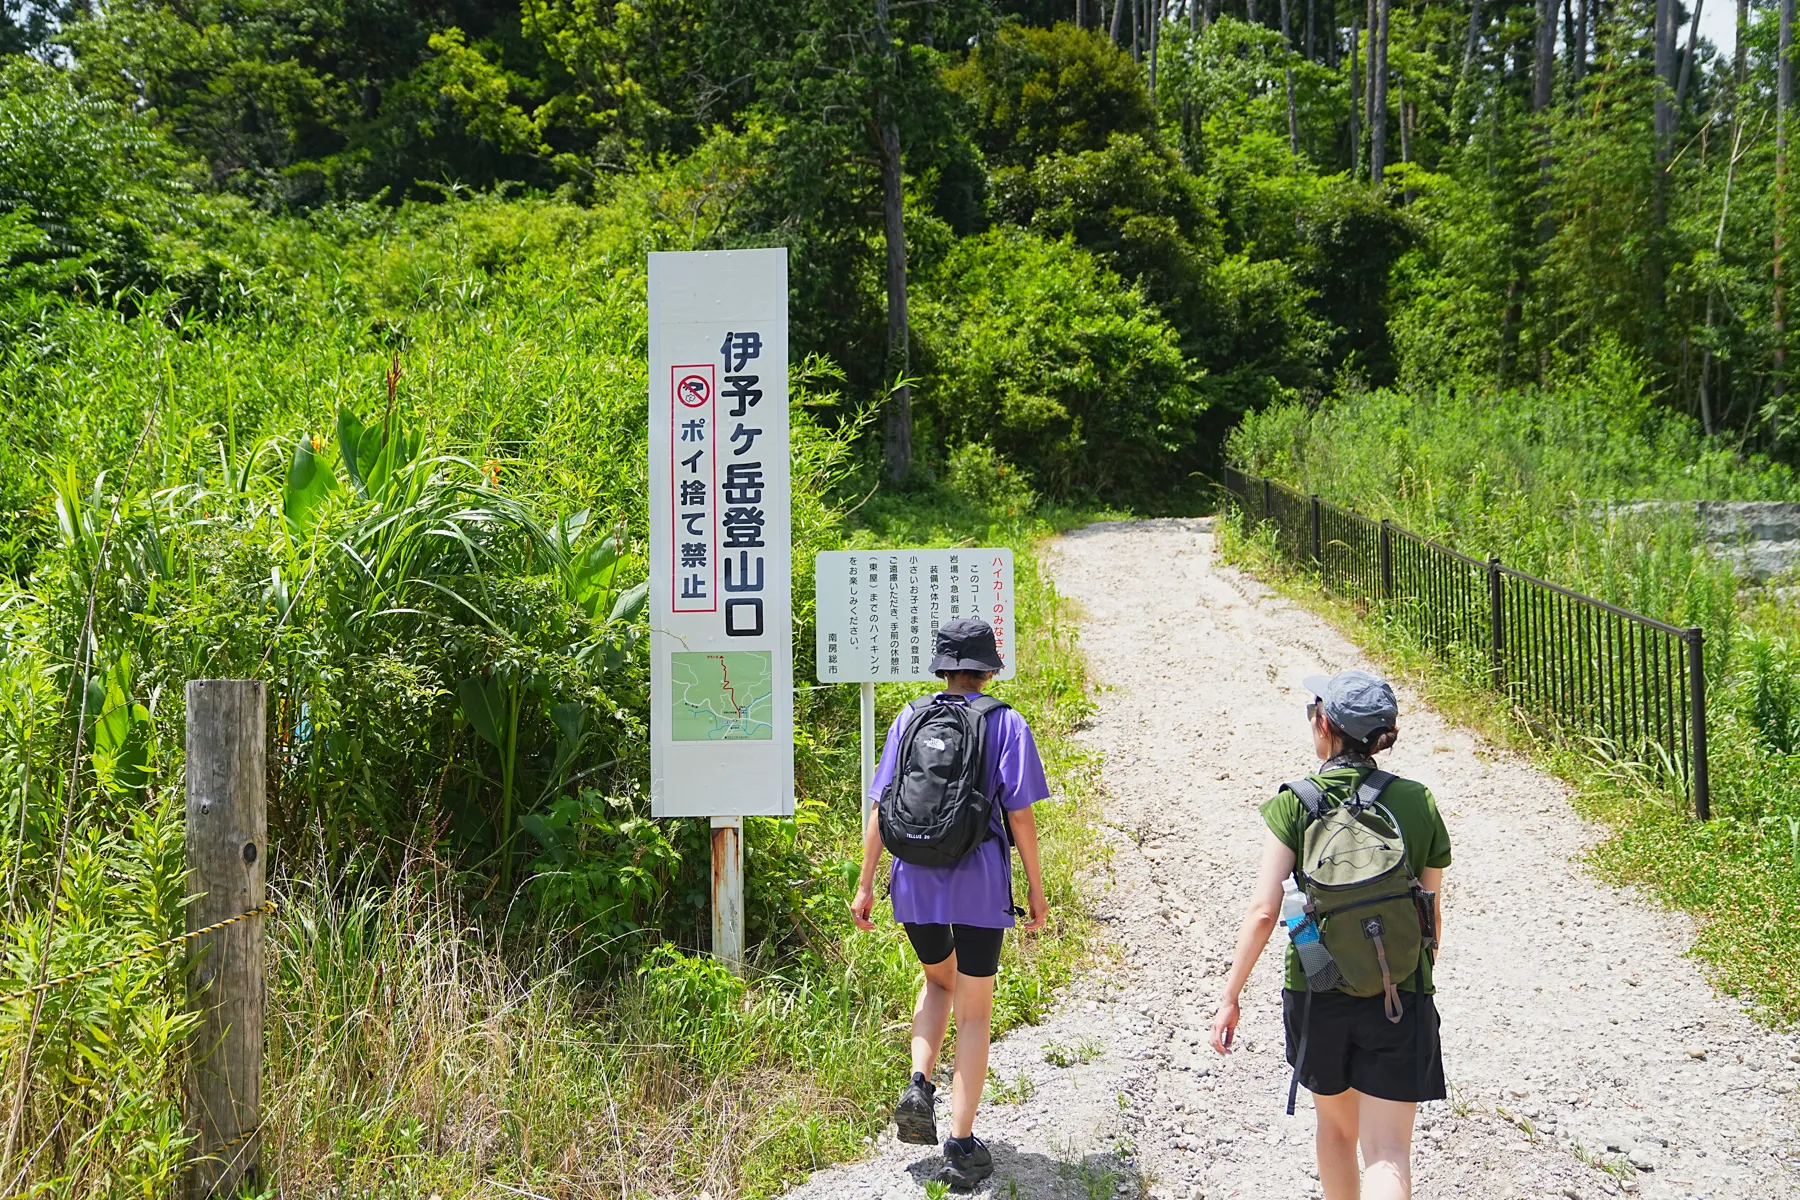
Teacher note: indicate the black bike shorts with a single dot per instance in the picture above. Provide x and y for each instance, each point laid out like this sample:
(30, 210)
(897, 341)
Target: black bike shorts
(1352, 1044)
(977, 949)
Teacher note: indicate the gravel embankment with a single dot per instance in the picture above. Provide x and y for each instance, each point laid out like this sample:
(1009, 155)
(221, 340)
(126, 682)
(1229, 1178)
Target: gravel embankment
(1586, 1053)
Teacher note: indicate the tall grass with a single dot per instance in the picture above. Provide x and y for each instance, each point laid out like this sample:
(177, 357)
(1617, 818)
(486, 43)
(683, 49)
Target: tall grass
(1529, 476)
(405, 488)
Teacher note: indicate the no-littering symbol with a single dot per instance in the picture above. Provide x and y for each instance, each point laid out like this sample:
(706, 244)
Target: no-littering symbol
(694, 390)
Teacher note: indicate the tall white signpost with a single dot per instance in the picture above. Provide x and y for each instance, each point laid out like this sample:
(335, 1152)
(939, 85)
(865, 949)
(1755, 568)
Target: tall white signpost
(879, 612)
(721, 614)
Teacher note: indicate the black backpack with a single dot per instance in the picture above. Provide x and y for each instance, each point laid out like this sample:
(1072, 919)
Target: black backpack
(936, 808)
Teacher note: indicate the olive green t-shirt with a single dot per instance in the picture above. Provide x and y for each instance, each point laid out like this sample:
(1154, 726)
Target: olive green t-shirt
(1427, 841)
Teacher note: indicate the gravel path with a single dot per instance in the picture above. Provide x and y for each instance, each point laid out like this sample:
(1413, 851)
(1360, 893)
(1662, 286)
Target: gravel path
(1587, 1056)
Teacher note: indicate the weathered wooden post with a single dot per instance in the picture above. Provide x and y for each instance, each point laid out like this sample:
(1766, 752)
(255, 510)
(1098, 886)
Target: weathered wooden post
(227, 844)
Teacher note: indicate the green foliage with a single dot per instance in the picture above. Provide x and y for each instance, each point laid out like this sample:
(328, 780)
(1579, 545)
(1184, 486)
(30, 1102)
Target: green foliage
(1038, 92)
(1064, 370)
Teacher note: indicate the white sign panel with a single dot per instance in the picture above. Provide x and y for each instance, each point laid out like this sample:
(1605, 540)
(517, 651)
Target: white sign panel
(721, 617)
(878, 610)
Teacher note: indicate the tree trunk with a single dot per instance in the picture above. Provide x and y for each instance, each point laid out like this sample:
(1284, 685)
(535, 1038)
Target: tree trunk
(1663, 68)
(1542, 88)
(1378, 95)
(1312, 17)
(1579, 54)
(1544, 66)
(1118, 12)
(1355, 103)
(1369, 70)
(1740, 53)
(1687, 63)
(897, 441)
(1474, 35)
(1155, 7)
(1784, 100)
(1737, 139)
(1406, 123)
(1287, 44)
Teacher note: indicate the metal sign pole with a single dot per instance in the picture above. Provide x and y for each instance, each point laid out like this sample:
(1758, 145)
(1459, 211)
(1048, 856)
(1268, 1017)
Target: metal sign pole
(728, 891)
(868, 748)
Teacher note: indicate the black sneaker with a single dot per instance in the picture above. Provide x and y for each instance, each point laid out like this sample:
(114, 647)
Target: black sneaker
(969, 1164)
(915, 1115)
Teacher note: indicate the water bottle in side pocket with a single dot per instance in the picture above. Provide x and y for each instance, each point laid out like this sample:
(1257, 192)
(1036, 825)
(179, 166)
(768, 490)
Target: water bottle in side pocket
(1315, 960)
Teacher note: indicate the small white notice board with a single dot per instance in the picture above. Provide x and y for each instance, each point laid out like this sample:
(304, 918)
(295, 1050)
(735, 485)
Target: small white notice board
(721, 620)
(878, 610)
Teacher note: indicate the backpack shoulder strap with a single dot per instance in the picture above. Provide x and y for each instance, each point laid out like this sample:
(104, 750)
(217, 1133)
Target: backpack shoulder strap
(1310, 795)
(1373, 784)
(984, 706)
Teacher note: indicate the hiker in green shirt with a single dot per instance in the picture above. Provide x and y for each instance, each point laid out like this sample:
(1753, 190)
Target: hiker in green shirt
(1364, 1038)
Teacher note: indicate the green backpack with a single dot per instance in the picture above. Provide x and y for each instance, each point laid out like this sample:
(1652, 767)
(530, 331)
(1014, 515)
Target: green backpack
(1372, 915)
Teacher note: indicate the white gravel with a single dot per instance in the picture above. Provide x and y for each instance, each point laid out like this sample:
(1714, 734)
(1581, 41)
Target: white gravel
(1586, 1053)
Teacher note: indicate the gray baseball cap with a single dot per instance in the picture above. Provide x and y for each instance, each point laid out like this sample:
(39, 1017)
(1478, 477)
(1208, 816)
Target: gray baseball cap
(1356, 702)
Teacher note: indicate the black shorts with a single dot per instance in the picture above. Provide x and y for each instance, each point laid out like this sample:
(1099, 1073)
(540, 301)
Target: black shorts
(1352, 1044)
(977, 949)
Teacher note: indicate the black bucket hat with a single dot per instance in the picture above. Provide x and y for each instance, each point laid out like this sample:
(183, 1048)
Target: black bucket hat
(965, 644)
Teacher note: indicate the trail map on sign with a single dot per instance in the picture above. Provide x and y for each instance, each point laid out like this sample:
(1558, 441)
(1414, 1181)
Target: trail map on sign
(721, 697)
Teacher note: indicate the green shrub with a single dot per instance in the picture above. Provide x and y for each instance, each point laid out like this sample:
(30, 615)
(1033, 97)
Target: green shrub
(1036, 349)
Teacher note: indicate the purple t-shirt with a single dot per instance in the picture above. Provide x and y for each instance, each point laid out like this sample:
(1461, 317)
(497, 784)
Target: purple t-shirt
(976, 889)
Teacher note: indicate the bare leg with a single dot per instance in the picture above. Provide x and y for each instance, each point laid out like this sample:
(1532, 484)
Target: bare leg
(931, 1015)
(974, 1027)
(1386, 1128)
(1336, 1141)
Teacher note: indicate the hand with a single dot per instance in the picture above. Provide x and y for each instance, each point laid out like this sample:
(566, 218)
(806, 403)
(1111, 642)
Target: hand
(1038, 908)
(862, 906)
(1224, 1024)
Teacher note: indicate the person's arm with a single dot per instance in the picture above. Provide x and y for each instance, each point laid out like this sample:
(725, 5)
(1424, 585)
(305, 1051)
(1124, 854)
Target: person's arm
(1024, 832)
(865, 883)
(1432, 880)
(1253, 935)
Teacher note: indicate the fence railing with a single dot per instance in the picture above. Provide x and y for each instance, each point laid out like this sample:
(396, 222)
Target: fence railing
(1560, 657)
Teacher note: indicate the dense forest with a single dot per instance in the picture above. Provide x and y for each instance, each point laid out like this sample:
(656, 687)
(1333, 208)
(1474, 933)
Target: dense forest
(322, 362)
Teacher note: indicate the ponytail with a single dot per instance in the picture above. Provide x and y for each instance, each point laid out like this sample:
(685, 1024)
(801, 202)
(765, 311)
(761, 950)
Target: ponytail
(1380, 740)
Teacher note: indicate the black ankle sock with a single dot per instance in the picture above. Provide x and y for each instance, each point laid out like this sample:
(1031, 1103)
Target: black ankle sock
(963, 1145)
(919, 1078)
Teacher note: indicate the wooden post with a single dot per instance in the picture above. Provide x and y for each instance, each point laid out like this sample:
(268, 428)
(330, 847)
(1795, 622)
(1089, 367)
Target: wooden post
(728, 891)
(227, 851)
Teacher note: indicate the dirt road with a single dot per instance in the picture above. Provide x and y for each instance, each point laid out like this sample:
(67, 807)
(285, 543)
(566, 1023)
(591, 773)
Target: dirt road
(1587, 1055)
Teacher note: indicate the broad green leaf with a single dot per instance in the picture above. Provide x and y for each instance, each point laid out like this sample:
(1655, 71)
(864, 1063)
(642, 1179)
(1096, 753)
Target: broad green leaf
(350, 433)
(571, 720)
(631, 603)
(546, 837)
(484, 704)
(309, 481)
(591, 572)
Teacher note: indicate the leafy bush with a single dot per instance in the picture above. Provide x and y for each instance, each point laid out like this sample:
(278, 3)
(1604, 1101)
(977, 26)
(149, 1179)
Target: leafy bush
(1041, 91)
(1035, 348)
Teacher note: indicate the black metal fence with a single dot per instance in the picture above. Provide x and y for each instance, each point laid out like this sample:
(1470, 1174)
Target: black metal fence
(1588, 667)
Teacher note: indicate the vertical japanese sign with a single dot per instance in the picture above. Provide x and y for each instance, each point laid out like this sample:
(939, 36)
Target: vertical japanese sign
(721, 628)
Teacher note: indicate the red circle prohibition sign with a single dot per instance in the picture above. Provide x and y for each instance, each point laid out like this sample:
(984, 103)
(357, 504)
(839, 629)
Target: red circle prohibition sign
(694, 390)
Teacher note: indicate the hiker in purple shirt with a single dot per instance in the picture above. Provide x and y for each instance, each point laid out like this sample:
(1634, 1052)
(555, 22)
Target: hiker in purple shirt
(957, 914)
